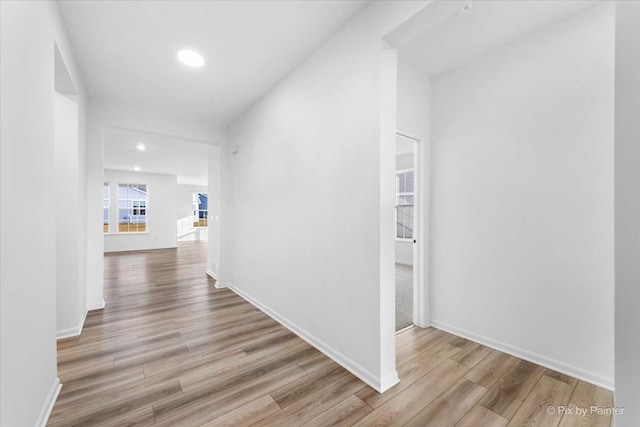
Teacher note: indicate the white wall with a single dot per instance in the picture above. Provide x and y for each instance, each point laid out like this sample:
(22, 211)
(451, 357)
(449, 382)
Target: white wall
(102, 115)
(94, 182)
(627, 212)
(70, 298)
(302, 247)
(215, 210)
(70, 149)
(414, 102)
(28, 31)
(522, 197)
(161, 212)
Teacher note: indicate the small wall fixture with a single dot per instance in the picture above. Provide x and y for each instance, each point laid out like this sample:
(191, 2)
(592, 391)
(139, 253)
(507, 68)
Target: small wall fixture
(141, 147)
(191, 58)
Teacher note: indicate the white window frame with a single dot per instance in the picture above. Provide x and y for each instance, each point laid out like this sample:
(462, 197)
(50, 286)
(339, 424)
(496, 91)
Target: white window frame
(106, 199)
(405, 239)
(146, 208)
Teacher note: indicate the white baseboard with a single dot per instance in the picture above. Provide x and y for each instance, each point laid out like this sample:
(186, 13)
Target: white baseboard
(222, 285)
(72, 332)
(211, 274)
(112, 251)
(99, 305)
(388, 381)
(374, 381)
(48, 404)
(564, 368)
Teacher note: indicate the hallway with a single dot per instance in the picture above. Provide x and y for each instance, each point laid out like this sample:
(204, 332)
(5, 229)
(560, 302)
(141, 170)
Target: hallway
(170, 349)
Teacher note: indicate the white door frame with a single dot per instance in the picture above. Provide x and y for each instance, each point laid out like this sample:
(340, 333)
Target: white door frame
(420, 316)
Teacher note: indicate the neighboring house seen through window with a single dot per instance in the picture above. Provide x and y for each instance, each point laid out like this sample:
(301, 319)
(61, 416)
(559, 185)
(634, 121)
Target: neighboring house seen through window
(132, 208)
(200, 209)
(404, 204)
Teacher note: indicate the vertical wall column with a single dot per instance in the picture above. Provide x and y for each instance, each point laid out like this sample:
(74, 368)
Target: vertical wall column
(627, 213)
(388, 124)
(70, 215)
(214, 187)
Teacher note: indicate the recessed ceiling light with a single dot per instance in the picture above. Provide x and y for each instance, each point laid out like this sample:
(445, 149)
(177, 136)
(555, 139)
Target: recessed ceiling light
(141, 147)
(136, 168)
(191, 58)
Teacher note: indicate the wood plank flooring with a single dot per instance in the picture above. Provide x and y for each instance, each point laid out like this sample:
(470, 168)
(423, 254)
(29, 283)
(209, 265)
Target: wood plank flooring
(170, 349)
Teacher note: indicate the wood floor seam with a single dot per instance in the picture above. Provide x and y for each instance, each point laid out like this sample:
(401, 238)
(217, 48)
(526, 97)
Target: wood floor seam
(525, 399)
(170, 349)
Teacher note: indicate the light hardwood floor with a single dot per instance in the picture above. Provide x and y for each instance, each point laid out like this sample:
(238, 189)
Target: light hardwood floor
(169, 349)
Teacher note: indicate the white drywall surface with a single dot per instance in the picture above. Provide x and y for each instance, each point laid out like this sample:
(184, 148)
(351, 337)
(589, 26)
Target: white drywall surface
(522, 197)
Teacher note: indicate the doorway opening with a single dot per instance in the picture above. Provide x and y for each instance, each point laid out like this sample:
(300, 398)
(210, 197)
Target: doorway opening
(196, 226)
(70, 228)
(405, 229)
(200, 210)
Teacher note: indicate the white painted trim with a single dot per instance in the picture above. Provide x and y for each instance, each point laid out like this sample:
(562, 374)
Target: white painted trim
(420, 207)
(128, 233)
(385, 382)
(211, 274)
(407, 136)
(221, 285)
(139, 250)
(72, 332)
(378, 384)
(48, 404)
(573, 371)
(68, 333)
(96, 306)
(421, 315)
(192, 230)
(399, 171)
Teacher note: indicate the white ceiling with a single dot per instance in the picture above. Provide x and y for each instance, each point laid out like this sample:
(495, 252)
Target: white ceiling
(168, 155)
(126, 50)
(460, 37)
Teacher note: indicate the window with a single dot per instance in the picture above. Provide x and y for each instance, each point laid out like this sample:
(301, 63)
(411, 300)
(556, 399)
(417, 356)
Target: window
(404, 204)
(105, 207)
(132, 208)
(200, 209)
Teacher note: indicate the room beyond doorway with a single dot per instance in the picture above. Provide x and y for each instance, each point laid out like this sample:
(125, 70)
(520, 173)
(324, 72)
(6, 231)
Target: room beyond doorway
(404, 296)
(405, 229)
